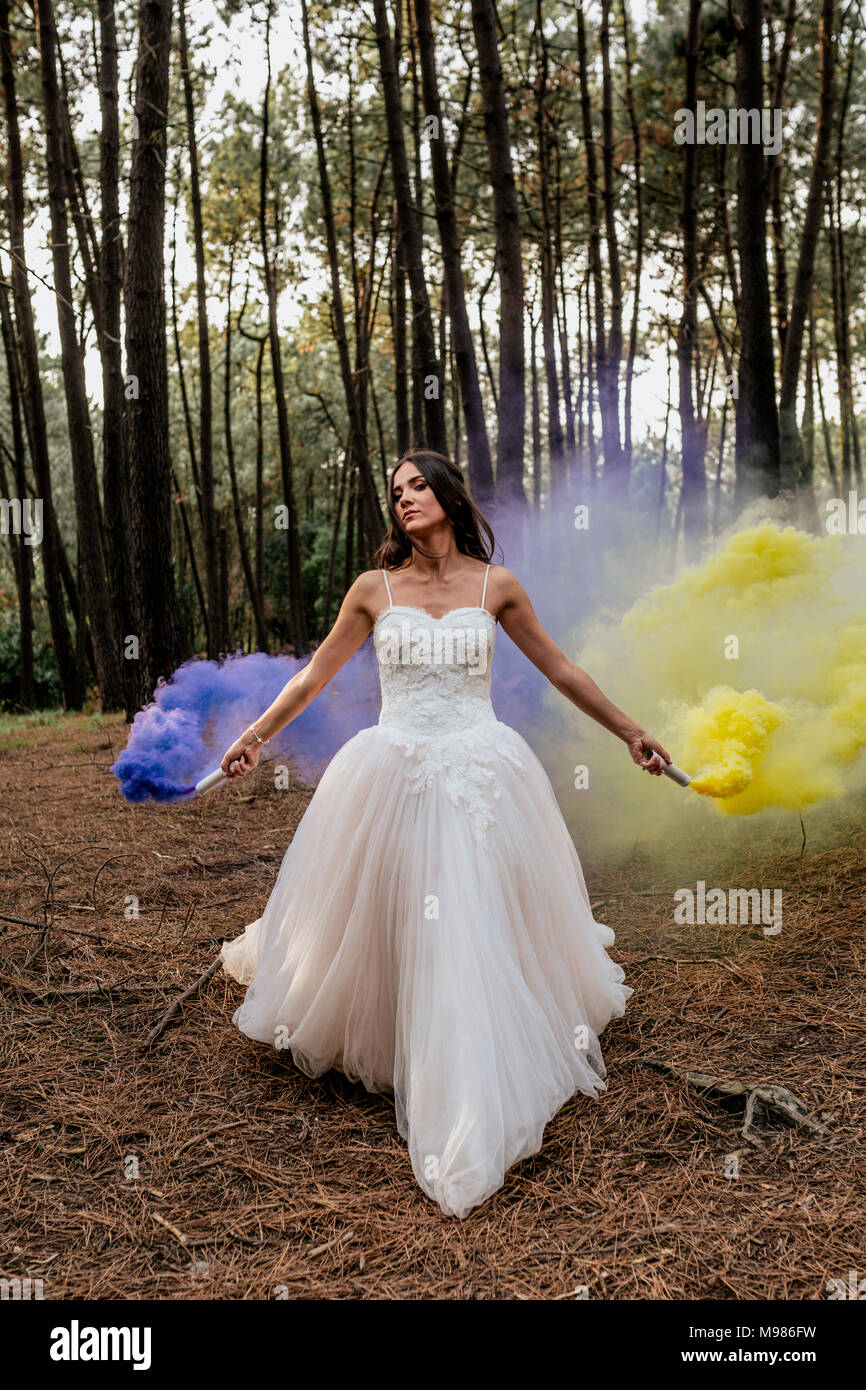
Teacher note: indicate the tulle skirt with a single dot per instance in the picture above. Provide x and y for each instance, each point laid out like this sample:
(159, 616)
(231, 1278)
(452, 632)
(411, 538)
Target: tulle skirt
(459, 969)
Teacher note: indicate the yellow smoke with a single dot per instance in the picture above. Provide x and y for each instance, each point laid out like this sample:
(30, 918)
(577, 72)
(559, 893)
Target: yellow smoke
(751, 669)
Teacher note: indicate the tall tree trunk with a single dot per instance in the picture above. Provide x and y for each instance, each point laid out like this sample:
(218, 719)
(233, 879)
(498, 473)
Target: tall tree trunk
(825, 430)
(779, 70)
(478, 445)
(535, 416)
(335, 538)
(562, 322)
(555, 440)
(616, 464)
(243, 548)
(297, 614)
(115, 487)
(843, 335)
(757, 432)
(694, 496)
(791, 454)
(397, 301)
(216, 619)
(428, 377)
(146, 417)
(592, 446)
(509, 260)
(369, 512)
(22, 553)
(639, 234)
(71, 676)
(581, 388)
(846, 452)
(606, 383)
(88, 508)
(807, 510)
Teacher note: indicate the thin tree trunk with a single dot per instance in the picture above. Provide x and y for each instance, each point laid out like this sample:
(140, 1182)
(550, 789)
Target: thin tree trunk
(216, 619)
(780, 70)
(694, 491)
(146, 417)
(369, 511)
(297, 614)
(335, 537)
(845, 450)
(71, 676)
(22, 553)
(397, 302)
(547, 269)
(660, 505)
(509, 261)
(428, 377)
(535, 417)
(723, 221)
(581, 386)
(478, 446)
(562, 323)
(88, 507)
(846, 392)
(789, 438)
(605, 385)
(243, 548)
(639, 235)
(190, 547)
(592, 447)
(757, 432)
(717, 491)
(825, 429)
(115, 487)
(616, 466)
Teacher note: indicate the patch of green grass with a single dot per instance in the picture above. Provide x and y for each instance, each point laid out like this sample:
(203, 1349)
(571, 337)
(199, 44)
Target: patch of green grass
(41, 726)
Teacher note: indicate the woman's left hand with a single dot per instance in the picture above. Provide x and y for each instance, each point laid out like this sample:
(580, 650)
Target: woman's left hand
(647, 752)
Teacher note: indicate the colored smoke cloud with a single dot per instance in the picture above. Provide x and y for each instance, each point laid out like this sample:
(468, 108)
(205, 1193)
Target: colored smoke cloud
(751, 670)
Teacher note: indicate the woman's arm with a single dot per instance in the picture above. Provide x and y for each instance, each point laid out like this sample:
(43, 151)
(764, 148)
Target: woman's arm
(353, 624)
(520, 621)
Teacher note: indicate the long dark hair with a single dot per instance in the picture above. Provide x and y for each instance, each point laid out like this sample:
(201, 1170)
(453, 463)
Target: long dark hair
(473, 534)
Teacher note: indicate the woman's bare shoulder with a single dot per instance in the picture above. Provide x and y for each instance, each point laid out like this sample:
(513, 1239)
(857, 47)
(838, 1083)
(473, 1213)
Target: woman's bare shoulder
(366, 589)
(506, 580)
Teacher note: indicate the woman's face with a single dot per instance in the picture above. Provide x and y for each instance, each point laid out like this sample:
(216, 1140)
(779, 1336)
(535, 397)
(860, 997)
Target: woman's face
(415, 501)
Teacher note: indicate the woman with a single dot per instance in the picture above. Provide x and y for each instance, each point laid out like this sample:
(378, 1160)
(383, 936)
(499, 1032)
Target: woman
(429, 932)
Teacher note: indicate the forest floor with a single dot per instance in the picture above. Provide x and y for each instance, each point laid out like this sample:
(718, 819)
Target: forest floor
(201, 1165)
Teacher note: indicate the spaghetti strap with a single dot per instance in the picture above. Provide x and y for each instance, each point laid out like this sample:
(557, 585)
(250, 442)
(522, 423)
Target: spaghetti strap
(388, 587)
(484, 590)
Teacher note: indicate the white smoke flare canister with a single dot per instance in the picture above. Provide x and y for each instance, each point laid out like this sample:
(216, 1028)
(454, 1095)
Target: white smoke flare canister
(676, 774)
(213, 779)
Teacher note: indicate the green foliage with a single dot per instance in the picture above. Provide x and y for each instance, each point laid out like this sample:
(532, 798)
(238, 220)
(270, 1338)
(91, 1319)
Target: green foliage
(46, 680)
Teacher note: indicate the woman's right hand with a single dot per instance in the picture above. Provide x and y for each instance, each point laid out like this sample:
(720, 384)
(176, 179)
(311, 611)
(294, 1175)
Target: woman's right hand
(242, 757)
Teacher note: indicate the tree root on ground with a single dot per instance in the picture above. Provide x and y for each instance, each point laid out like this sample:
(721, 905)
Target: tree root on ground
(762, 1103)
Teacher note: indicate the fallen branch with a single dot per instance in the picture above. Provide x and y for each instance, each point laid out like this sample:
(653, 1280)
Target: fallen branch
(73, 991)
(71, 931)
(765, 1100)
(206, 1134)
(174, 1009)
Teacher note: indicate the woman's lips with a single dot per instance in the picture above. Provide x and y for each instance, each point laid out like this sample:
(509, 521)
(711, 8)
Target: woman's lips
(407, 516)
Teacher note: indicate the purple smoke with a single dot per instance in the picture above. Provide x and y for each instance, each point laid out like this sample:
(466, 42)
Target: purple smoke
(183, 734)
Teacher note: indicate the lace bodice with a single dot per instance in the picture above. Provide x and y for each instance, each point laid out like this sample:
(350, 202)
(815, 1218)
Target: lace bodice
(435, 680)
(435, 672)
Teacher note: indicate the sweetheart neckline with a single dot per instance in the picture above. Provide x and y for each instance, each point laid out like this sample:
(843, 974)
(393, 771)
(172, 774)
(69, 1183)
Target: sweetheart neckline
(411, 608)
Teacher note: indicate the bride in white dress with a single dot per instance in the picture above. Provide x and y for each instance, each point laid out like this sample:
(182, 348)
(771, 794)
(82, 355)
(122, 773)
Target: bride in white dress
(429, 932)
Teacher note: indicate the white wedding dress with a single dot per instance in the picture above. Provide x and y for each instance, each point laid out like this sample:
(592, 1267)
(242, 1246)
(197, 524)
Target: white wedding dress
(429, 932)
